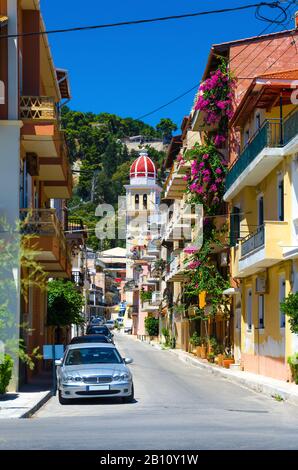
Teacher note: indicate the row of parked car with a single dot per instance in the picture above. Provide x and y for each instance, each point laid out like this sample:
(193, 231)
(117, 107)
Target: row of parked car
(93, 367)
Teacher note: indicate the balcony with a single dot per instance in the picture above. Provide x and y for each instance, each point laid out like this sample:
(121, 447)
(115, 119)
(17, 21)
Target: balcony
(156, 298)
(75, 231)
(48, 240)
(263, 153)
(261, 249)
(41, 108)
(78, 278)
(175, 184)
(176, 268)
(148, 306)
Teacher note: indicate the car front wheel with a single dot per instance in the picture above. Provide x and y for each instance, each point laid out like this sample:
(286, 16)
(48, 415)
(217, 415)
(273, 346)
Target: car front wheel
(130, 397)
(62, 401)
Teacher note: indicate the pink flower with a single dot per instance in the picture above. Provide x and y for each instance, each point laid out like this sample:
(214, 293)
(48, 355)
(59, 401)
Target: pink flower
(221, 104)
(213, 188)
(200, 190)
(218, 171)
(201, 165)
(218, 180)
(185, 178)
(205, 156)
(180, 158)
(193, 186)
(206, 172)
(194, 264)
(219, 139)
(206, 179)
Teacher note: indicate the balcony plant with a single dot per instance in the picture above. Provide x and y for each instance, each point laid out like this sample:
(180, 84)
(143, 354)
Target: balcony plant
(145, 296)
(293, 363)
(166, 334)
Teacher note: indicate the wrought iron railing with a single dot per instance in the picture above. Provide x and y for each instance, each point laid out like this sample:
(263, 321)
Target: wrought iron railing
(273, 133)
(252, 242)
(78, 278)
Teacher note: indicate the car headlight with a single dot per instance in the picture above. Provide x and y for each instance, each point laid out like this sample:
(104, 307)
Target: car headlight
(116, 377)
(72, 378)
(125, 376)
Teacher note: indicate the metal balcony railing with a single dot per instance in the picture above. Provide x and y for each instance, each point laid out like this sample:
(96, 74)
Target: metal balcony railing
(252, 242)
(38, 108)
(78, 278)
(273, 133)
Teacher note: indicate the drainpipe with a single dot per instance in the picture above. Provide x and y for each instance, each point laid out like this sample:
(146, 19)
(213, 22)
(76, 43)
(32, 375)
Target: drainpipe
(281, 141)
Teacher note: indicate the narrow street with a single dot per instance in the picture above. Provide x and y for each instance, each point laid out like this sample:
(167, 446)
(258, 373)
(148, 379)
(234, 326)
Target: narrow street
(177, 407)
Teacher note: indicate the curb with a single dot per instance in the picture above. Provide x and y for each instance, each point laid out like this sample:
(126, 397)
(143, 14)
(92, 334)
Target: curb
(37, 406)
(267, 389)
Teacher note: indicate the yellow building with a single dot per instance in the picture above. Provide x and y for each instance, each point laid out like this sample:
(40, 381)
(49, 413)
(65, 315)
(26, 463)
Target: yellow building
(262, 190)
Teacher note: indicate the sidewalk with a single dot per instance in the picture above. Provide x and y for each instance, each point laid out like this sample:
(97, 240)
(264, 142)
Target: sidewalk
(259, 383)
(28, 400)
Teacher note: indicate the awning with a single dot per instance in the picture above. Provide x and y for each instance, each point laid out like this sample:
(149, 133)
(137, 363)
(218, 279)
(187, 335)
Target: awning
(231, 291)
(3, 20)
(63, 82)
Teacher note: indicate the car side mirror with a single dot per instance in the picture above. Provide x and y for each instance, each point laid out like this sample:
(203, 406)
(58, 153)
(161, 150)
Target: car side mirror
(58, 362)
(128, 360)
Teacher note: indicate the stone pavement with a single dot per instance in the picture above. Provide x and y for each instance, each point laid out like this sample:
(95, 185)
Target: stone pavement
(28, 400)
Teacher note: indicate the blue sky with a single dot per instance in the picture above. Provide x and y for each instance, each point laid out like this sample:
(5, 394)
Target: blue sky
(133, 69)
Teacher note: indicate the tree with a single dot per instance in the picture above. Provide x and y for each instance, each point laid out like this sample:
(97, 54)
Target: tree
(166, 126)
(65, 304)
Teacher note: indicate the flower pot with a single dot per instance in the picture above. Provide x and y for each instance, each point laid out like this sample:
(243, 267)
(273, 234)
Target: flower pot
(198, 351)
(203, 352)
(227, 362)
(220, 359)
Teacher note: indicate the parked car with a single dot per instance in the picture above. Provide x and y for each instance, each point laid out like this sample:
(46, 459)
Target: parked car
(97, 321)
(90, 339)
(99, 330)
(93, 370)
(128, 326)
(110, 324)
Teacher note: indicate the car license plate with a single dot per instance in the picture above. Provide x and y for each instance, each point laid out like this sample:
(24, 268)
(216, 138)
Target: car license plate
(97, 387)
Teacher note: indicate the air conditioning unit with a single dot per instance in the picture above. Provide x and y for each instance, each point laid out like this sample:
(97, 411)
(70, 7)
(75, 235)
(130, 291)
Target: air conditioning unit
(261, 285)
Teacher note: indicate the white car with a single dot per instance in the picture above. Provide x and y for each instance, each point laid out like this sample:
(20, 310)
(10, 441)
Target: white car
(93, 370)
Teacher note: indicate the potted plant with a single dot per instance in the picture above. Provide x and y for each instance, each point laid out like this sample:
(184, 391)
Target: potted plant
(228, 359)
(195, 341)
(203, 348)
(6, 368)
(293, 363)
(210, 357)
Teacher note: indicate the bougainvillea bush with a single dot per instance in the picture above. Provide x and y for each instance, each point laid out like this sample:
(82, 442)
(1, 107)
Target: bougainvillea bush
(215, 100)
(207, 176)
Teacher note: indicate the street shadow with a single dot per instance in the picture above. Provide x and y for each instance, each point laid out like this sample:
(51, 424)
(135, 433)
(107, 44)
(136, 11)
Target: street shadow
(99, 401)
(9, 396)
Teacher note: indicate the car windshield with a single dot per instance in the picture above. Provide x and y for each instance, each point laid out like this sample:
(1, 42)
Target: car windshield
(99, 330)
(82, 355)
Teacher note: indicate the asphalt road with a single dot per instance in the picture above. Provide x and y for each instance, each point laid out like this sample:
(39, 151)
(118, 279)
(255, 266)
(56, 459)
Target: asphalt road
(177, 407)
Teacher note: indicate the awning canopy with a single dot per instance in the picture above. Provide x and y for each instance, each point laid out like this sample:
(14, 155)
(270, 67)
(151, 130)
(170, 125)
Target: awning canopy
(63, 82)
(3, 20)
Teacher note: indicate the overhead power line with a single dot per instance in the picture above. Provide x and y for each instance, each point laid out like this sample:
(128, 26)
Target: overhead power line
(258, 6)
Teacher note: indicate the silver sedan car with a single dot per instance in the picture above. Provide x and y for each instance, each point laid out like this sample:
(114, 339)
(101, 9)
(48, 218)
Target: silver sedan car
(93, 370)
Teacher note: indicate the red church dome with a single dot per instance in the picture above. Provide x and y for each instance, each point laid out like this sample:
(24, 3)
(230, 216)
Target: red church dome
(143, 167)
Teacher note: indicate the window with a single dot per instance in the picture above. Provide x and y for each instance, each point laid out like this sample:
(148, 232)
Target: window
(261, 311)
(280, 203)
(249, 309)
(137, 201)
(260, 211)
(235, 226)
(145, 201)
(282, 296)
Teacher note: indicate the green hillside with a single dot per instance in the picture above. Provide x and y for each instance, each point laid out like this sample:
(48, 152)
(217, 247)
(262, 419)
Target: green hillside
(102, 161)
